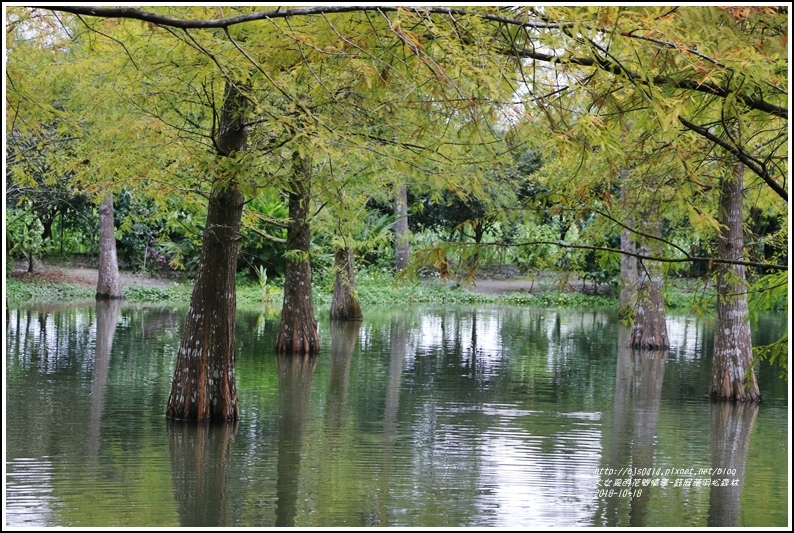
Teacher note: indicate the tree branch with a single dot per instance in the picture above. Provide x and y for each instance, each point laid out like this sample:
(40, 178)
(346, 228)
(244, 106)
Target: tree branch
(688, 84)
(740, 154)
(687, 259)
(268, 236)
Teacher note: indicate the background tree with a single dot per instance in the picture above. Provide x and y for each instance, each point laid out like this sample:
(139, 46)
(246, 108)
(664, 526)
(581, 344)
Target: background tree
(108, 278)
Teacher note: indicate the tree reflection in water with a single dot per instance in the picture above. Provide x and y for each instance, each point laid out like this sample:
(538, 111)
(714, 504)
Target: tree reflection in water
(200, 462)
(638, 387)
(295, 375)
(343, 340)
(731, 425)
(107, 316)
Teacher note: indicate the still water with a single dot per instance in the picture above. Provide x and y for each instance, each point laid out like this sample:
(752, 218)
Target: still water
(428, 416)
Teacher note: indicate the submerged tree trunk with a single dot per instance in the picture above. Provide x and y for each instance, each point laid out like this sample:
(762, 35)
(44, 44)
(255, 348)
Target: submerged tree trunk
(402, 245)
(203, 388)
(345, 304)
(297, 333)
(649, 329)
(732, 376)
(108, 280)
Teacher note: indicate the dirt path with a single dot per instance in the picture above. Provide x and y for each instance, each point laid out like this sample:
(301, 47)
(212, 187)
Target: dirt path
(86, 276)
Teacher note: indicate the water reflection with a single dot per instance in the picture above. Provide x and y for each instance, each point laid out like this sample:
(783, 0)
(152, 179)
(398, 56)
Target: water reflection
(343, 340)
(647, 392)
(200, 464)
(398, 342)
(295, 375)
(632, 437)
(107, 316)
(419, 417)
(731, 425)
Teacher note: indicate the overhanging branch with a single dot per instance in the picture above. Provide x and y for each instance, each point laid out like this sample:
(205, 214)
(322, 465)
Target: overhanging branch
(659, 80)
(740, 154)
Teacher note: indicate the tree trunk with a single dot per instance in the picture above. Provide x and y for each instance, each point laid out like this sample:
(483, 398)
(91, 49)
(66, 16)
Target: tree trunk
(108, 281)
(345, 304)
(732, 376)
(402, 245)
(649, 330)
(628, 263)
(203, 388)
(628, 275)
(297, 333)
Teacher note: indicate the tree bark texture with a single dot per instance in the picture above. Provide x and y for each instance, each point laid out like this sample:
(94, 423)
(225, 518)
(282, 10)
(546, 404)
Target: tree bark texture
(108, 280)
(297, 333)
(628, 262)
(649, 329)
(402, 245)
(628, 275)
(733, 349)
(203, 389)
(345, 304)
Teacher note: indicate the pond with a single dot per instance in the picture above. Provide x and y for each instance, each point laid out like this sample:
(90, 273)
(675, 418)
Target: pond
(417, 417)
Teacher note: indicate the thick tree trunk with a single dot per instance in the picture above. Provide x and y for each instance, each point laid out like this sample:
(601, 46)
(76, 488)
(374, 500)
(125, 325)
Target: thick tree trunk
(345, 304)
(108, 280)
(297, 333)
(203, 388)
(732, 376)
(649, 329)
(402, 245)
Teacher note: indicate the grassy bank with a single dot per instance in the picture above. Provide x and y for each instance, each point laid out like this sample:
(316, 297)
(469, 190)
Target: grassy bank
(374, 287)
